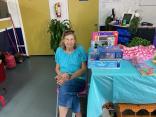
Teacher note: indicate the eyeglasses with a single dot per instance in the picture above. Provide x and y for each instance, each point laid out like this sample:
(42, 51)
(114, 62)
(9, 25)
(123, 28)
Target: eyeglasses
(68, 31)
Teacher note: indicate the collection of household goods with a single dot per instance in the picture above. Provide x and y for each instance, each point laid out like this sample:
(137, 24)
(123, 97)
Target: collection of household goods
(105, 53)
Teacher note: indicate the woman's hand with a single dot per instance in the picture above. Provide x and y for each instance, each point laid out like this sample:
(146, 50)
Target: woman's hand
(57, 77)
(61, 78)
(65, 76)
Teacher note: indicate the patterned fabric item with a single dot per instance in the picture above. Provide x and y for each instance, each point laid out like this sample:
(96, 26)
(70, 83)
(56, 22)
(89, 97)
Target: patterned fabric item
(144, 52)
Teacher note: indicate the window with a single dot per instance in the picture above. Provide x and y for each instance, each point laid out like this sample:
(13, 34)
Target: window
(3, 9)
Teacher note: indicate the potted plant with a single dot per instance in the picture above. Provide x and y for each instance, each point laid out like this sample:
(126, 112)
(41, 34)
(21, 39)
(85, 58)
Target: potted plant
(134, 23)
(56, 28)
(136, 41)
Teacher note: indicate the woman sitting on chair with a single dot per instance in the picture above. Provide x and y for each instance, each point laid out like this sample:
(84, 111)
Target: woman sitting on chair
(70, 68)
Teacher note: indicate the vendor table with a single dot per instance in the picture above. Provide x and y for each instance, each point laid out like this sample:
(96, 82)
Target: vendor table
(124, 85)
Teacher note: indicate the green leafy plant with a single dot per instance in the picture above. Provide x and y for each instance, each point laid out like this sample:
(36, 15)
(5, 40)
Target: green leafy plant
(134, 23)
(138, 41)
(56, 29)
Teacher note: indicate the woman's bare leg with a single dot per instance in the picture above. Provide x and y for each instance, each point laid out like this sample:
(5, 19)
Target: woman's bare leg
(63, 111)
(78, 114)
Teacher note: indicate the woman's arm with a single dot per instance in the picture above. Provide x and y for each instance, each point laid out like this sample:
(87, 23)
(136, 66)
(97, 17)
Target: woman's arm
(61, 77)
(57, 69)
(80, 71)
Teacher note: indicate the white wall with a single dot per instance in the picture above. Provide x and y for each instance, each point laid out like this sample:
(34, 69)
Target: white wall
(13, 10)
(144, 8)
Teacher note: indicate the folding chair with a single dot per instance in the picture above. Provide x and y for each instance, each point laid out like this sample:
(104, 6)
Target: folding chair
(57, 109)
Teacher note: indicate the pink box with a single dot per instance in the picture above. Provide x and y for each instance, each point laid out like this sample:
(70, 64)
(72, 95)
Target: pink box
(104, 38)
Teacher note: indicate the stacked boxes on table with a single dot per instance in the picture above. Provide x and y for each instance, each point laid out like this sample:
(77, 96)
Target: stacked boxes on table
(105, 57)
(104, 53)
(104, 38)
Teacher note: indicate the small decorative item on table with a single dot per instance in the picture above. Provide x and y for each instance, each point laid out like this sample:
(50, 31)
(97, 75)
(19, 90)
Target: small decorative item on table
(145, 69)
(94, 55)
(154, 59)
(124, 22)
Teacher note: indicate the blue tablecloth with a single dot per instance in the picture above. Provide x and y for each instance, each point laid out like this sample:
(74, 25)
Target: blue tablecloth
(124, 85)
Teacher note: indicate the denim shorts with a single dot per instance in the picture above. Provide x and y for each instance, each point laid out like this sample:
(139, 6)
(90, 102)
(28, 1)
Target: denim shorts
(68, 97)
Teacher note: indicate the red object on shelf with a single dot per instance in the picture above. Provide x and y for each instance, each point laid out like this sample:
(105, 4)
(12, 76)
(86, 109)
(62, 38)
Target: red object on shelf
(2, 73)
(2, 101)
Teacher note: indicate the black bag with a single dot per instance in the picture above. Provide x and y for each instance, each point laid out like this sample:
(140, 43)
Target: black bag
(19, 57)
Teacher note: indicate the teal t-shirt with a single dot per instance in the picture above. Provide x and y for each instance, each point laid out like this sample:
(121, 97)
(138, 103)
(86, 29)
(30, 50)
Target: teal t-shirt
(70, 63)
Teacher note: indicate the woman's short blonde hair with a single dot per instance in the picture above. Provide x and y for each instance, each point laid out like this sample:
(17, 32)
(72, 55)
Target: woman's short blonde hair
(66, 33)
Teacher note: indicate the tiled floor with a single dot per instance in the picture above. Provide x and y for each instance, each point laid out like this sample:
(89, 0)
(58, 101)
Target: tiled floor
(31, 89)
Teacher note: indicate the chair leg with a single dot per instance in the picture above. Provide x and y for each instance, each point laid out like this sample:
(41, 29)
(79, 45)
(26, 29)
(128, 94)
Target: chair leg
(57, 107)
(73, 114)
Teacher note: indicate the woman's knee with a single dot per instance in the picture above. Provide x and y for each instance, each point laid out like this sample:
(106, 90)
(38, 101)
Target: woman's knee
(78, 114)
